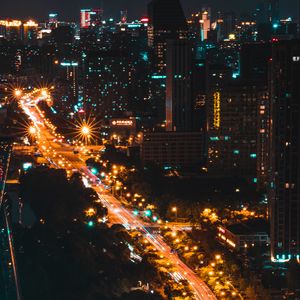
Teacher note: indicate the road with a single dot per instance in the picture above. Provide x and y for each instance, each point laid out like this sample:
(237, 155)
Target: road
(61, 154)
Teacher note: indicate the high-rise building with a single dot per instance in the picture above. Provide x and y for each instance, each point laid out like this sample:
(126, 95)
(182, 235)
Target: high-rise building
(234, 114)
(254, 61)
(123, 16)
(166, 21)
(11, 30)
(53, 20)
(205, 23)
(238, 113)
(90, 17)
(178, 88)
(71, 77)
(228, 25)
(30, 32)
(273, 9)
(284, 189)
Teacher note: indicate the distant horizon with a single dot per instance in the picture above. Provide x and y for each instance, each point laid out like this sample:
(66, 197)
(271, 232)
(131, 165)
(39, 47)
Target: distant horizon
(69, 10)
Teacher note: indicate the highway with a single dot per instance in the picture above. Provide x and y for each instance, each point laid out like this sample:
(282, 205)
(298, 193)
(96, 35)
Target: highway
(61, 155)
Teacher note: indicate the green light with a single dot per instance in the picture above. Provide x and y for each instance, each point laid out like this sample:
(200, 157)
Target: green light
(134, 25)
(136, 212)
(155, 218)
(159, 77)
(90, 223)
(236, 151)
(148, 213)
(94, 171)
(27, 166)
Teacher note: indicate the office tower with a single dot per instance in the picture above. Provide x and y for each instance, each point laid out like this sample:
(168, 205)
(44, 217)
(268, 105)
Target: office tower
(178, 88)
(90, 17)
(85, 18)
(267, 11)
(30, 32)
(254, 61)
(228, 25)
(205, 23)
(53, 20)
(284, 191)
(11, 30)
(71, 78)
(238, 115)
(166, 21)
(233, 113)
(123, 16)
(273, 9)
(246, 31)
(106, 83)
(198, 95)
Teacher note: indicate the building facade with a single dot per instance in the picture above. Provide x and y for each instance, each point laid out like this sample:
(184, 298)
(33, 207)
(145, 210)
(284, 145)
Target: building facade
(178, 89)
(173, 150)
(284, 186)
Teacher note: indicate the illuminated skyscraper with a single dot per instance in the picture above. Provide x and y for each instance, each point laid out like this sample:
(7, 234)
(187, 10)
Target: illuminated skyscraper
(11, 30)
(205, 23)
(273, 9)
(53, 19)
(90, 17)
(123, 16)
(30, 32)
(166, 21)
(284, 186)
(71, 68)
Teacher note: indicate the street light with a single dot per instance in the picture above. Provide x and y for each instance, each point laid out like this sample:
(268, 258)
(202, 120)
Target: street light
(18, 92)
(85, 130)
(32, 130)
(174, 209)
(44, 93)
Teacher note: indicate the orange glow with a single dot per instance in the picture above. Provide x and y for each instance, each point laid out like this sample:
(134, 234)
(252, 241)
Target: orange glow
(12, 23)
(30, 23)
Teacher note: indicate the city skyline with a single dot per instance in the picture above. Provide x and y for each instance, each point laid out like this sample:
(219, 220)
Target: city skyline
(150, 150)
(136, 8)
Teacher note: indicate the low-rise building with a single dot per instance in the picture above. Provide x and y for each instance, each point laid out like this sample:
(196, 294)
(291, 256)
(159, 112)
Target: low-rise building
(244, 235)
(179, 150)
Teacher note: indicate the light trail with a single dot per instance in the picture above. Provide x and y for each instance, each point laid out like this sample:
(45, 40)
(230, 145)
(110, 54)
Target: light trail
(125, 216)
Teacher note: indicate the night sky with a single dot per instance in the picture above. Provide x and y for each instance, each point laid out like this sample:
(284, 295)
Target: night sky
(69, 9)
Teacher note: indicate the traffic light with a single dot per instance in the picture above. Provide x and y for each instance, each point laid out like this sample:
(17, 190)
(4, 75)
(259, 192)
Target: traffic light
(136, 212)
(154, 218)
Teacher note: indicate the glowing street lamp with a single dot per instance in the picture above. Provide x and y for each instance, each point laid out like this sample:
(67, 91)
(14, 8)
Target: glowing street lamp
(85, 130)
(174, 209)
(32, 130)
(18, 92)
(44, 93)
